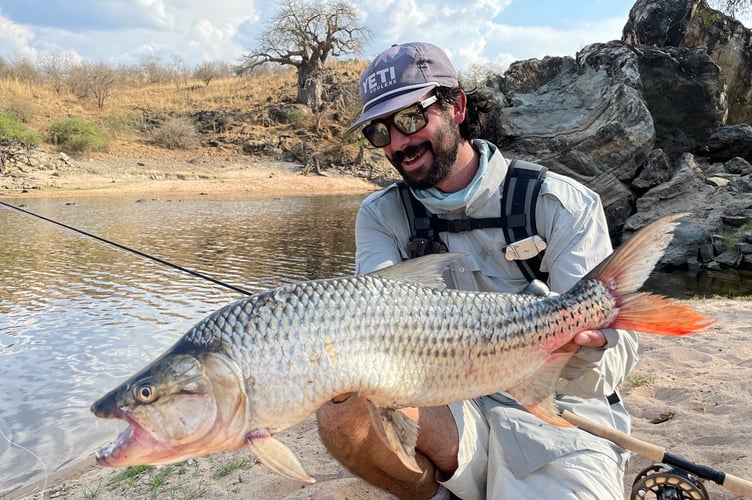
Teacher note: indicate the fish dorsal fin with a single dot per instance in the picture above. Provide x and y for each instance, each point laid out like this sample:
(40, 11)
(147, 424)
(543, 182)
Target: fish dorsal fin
(425, 270)
(276, 456)
(398, 432)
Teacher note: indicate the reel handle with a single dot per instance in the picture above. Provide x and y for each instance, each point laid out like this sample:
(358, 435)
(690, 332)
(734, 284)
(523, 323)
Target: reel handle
(658, 454)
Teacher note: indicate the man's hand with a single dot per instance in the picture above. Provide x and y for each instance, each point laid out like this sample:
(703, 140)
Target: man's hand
(588, 338)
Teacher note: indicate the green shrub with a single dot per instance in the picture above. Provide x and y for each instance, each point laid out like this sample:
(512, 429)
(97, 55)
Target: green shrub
(176, 133)
(76, 135)
(119, 123)
(12, 131)
(22, 109)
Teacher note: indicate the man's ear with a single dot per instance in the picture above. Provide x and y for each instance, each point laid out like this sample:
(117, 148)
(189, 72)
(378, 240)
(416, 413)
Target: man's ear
(460, 107)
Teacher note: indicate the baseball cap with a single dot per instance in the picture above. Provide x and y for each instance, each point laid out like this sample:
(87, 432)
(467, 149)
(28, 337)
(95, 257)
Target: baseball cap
(400, 76)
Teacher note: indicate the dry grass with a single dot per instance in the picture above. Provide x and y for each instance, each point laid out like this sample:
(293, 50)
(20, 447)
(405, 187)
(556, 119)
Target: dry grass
(37, 105)
(227, 94)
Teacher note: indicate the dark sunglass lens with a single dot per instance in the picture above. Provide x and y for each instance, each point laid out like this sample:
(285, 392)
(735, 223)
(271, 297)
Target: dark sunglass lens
(377, 134)
(410, 120)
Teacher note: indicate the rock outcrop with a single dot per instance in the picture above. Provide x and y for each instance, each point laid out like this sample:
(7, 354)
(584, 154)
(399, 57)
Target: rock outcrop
(692, 23)
(649, 122)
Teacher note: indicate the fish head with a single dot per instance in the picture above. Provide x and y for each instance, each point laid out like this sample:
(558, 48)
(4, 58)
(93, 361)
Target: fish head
(183, 405)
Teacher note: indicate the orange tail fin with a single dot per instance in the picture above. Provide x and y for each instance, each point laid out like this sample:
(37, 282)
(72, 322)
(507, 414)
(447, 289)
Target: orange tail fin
(624, 272)
(645, 312)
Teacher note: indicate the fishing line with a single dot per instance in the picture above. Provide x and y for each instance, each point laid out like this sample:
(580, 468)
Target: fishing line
(44, 467)
(132, 250)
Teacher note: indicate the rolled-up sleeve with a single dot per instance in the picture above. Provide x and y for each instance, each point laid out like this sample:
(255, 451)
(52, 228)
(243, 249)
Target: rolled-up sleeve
(598, 372)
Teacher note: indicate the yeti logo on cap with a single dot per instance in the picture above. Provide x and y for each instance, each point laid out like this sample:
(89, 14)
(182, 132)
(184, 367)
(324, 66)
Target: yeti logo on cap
(379, 79)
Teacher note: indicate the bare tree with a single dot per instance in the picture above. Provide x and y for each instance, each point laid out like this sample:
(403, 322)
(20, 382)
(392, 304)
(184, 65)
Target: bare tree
(154, 70)
(95, 80)
(23, 70)
(477, 75)
(304, 34)
(208, 71)
(56, 68)
(102, 81)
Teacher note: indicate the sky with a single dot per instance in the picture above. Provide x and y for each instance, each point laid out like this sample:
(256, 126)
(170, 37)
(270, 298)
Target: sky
(125, 32)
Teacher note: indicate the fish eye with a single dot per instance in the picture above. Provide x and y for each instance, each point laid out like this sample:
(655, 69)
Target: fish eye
(145, 392)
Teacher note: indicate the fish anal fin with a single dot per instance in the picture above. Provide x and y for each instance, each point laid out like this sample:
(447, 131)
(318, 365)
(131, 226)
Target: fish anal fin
(536, 393)
(275, 455)
(398, 432)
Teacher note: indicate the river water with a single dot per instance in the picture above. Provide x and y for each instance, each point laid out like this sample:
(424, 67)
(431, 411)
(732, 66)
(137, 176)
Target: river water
(78, 316)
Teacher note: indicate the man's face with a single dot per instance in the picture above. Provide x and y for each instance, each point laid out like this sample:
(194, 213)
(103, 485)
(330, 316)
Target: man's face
(426, 157)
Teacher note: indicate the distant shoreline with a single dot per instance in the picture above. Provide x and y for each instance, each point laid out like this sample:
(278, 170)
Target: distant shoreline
(235, 178)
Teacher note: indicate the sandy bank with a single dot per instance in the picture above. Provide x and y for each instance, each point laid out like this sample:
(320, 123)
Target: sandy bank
(229, 177)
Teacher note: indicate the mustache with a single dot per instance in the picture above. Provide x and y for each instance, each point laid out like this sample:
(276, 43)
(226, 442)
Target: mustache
(410, 151)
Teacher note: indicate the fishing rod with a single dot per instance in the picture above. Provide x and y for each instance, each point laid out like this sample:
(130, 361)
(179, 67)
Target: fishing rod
(132, 250)
(659, 454)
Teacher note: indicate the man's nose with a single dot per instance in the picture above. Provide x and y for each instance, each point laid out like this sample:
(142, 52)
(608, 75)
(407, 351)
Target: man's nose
(397, 140)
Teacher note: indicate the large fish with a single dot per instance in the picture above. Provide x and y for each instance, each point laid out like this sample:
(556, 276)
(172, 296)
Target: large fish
(397, 336)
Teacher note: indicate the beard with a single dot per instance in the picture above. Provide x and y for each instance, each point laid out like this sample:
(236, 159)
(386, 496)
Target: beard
(444, 149)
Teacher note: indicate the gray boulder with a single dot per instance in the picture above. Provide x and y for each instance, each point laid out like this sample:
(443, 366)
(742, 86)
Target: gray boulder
(599, 118)
(650, 122)
(730, 141)
(710, 207)
(692, 23)
(685, 93)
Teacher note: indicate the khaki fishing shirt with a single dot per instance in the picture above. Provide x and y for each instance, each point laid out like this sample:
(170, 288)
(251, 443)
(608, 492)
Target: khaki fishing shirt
(571, 220)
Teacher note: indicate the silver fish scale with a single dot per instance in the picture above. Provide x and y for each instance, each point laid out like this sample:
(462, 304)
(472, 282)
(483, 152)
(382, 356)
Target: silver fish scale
(400, 343)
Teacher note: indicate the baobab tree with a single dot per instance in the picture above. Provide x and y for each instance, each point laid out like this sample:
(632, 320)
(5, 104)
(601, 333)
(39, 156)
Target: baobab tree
(304, 35)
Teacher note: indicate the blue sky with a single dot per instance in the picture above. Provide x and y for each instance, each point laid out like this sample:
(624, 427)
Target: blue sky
(117, 32)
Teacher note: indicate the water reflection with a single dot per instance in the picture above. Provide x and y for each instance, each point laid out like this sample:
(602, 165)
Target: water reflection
(682, 285)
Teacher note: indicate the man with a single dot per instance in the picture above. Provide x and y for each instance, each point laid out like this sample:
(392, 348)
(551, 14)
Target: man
(416, 111)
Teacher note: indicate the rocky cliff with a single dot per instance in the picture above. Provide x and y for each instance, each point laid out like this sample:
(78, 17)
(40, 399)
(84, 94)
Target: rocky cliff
(656, 123)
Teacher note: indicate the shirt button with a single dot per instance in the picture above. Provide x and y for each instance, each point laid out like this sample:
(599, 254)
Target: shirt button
(461, 269)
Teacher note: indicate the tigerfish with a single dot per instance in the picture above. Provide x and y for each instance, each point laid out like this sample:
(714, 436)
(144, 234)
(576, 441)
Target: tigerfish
(397, 336)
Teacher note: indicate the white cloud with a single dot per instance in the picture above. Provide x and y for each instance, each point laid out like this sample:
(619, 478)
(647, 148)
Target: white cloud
(211, 42)
(155, 11)
(468, 34)
(123, 31)
(15, 40)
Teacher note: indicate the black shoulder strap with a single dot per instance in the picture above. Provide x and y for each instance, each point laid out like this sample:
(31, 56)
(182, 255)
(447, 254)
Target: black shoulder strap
(424, 226)
(519, 198)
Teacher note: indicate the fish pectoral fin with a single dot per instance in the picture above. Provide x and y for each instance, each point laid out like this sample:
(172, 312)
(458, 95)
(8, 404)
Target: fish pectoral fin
(275, 455)
(398, 432)
(536, 393)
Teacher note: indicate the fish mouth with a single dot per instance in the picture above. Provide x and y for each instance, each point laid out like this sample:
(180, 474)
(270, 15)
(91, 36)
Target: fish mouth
(133, 446)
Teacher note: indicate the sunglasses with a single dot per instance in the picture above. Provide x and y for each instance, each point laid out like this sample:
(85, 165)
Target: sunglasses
(407, 121)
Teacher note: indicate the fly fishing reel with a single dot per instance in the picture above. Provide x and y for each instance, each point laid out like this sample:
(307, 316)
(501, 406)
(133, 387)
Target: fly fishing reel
(665, 482)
